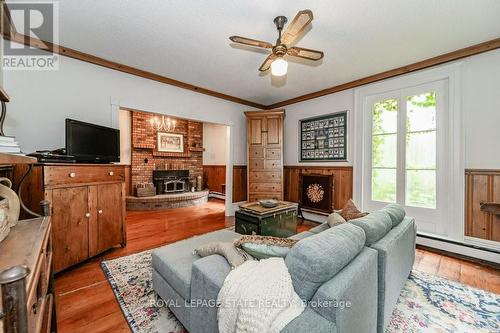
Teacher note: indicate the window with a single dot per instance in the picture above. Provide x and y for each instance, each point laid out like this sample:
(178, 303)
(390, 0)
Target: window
(384, 150)
(421, 150)
(405, 150)
(409, 148)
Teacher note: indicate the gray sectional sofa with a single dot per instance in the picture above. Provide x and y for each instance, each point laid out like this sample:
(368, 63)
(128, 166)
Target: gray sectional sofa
(351, 274)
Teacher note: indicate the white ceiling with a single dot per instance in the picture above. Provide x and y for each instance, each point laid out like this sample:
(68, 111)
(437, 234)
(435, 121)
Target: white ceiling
(188, 40)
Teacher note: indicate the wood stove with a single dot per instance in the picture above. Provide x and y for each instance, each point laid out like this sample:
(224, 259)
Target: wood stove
(171, 181)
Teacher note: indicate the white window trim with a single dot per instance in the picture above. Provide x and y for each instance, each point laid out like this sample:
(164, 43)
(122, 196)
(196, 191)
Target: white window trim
(453, 226)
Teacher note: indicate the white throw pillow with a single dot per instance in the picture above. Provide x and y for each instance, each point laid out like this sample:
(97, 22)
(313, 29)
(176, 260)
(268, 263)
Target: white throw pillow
(335, 219)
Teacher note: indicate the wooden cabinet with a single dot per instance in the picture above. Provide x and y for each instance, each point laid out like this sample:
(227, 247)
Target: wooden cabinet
(265, 154)
(88, 208)
(29, 243)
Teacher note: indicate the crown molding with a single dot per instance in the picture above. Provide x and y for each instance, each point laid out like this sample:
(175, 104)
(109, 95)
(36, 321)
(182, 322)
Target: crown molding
(71, 53)
(9, 32)
(441, 59)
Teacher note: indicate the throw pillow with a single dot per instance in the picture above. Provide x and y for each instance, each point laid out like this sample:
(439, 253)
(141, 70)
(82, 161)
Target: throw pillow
(233, 255)
(264, 251)
(350, 211)
(335, 219)
(263, 247)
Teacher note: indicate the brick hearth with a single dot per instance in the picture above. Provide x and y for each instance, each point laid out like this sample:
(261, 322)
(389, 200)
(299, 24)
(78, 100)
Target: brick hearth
(166, 201)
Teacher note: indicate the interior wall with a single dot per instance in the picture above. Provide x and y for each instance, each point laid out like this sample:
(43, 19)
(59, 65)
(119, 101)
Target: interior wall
(125, 127)
(214, 144)
(42, 100)
(341, 101)
(480, 80)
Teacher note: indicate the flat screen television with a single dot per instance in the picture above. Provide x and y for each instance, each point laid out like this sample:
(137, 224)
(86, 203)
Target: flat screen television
(90, 143)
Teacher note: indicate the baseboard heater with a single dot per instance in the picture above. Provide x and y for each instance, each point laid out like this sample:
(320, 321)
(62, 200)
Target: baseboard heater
(216, 195)
(463, 249)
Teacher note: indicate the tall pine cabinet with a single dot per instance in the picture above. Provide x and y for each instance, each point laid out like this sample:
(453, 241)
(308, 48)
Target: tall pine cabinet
(265, 154)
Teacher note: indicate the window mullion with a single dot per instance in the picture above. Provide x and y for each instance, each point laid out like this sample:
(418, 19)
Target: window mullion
(401, 154)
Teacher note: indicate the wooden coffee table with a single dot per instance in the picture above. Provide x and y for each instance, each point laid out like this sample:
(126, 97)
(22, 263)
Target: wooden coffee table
(281, 221)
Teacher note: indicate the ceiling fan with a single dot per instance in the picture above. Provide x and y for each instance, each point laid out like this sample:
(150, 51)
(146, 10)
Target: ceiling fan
(284, 43)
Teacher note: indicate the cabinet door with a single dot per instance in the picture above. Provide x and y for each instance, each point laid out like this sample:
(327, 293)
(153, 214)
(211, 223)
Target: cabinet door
(255, 128)
(274, 130)
(109, 215)
(70, 223)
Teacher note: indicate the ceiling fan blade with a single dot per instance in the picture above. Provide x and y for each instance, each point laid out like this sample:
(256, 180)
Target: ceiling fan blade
(297, 26)
(267, 63)
(305, 53)
(251, 42)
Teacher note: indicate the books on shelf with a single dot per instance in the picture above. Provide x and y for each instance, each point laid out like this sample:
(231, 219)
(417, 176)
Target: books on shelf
(9, 145)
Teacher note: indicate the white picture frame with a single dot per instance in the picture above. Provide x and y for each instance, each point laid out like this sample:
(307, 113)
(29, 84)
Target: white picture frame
(170, 142)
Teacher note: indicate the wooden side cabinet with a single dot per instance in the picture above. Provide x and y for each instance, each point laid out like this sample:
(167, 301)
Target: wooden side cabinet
(26, 277)
(265, 154)
(88, 208)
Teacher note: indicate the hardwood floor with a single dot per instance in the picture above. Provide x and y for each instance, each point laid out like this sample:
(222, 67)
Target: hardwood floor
(86, 303)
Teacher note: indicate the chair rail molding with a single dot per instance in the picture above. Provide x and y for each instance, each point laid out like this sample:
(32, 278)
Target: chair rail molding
(453, 226)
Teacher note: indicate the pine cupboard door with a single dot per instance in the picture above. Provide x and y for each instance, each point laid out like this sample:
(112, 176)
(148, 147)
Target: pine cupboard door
(256, 128)
(109, 216)
(70, 225)
(274, 127)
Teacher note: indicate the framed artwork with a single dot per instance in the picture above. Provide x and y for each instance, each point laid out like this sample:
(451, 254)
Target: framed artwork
(170, 143)
(323, 138)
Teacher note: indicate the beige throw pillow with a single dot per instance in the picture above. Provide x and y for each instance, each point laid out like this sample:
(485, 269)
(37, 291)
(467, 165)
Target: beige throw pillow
(335, 219)
(233, 255)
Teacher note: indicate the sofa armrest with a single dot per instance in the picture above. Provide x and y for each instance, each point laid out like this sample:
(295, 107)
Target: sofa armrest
(349, 299)
(208, 275)
(396, 255)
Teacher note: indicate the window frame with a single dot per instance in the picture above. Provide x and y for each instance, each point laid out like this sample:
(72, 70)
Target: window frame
(449, 221)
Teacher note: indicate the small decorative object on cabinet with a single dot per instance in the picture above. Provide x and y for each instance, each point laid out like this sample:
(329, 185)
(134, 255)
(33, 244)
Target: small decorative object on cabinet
(88, 208)
(9, 207)
(265, 155)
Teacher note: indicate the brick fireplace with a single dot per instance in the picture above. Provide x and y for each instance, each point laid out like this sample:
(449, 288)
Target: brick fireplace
(145, 154)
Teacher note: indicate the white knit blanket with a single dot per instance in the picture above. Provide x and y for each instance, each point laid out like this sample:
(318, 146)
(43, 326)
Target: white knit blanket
(258, 297)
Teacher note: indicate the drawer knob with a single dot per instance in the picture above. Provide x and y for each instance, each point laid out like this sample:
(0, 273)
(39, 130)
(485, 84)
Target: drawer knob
(100, 211)
(111, 173)
(72, 175)
(87, 215)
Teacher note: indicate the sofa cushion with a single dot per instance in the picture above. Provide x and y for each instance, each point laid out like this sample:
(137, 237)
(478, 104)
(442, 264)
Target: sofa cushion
(302, 235)
(316, 259)
(375, 225)
(396, 212)
(319, 228)
(174, 261)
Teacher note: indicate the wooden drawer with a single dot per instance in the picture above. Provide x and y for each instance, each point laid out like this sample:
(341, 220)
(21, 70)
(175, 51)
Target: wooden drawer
(256, 164)
(254, 196)
(265, 187)
(67, 175)
(37, 296)
(273, 164)
(273, 153)
(256, 152)
(265, 176)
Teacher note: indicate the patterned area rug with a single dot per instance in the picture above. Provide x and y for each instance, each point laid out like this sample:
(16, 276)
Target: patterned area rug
(427, 303)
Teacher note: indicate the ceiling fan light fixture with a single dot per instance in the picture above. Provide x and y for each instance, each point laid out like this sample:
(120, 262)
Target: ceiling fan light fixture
(279, 67)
